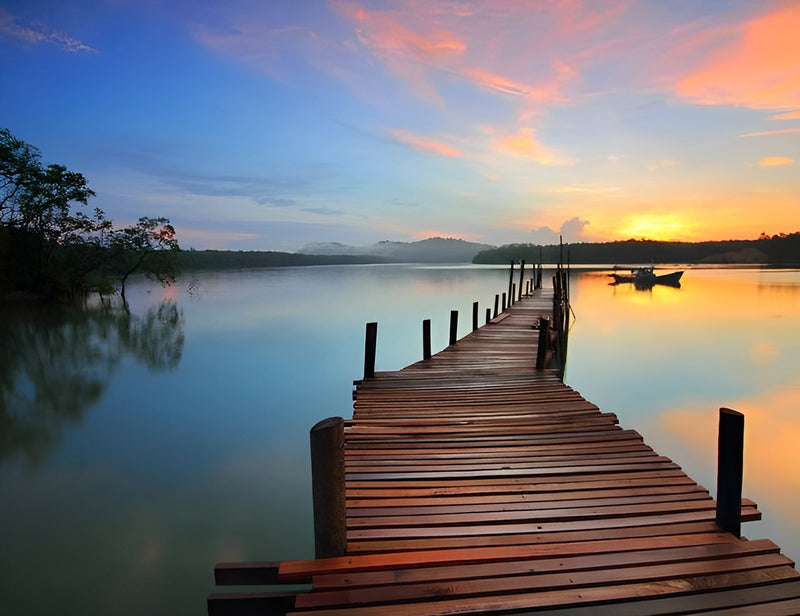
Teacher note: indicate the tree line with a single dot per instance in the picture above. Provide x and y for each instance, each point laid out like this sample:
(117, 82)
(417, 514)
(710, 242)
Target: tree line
(51, 247)
(780, 249)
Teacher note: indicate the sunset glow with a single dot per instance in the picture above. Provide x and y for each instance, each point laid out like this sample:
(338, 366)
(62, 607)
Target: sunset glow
(272, 125)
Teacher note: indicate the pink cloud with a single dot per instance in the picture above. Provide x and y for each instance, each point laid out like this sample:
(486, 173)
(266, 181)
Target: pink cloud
(409, 50)
(753, 65)
(549, 91)
(424, 144)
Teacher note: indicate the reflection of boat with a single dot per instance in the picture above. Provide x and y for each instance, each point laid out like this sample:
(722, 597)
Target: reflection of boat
(645, 277)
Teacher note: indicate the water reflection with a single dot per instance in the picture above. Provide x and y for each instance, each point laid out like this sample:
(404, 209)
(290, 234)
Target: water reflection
(57, 364)
(671, 358)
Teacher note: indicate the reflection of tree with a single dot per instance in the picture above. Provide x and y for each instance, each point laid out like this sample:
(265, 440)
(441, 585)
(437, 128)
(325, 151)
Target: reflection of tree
(55, 365)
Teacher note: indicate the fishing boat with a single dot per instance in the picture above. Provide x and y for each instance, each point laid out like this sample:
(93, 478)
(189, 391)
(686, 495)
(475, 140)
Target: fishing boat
(645, 278)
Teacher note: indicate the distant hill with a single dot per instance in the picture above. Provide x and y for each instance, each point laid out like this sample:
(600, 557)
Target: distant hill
(432, 250)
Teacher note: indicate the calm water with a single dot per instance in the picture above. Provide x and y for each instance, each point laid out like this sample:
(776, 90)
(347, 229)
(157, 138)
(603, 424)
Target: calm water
(137, 450)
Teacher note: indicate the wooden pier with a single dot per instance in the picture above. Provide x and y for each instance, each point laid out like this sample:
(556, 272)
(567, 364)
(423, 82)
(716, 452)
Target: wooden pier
(478, 484)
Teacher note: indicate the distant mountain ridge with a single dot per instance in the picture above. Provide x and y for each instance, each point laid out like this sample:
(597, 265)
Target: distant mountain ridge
(431, 250)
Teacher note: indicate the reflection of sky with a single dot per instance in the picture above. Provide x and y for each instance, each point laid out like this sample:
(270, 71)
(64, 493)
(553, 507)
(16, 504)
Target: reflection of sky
(665, 360)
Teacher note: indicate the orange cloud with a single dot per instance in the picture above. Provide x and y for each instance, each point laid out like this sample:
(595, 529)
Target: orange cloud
(424, 144)
(758, 69)
(775, 161)
(524, 144)
(780, 131)
(790, 115)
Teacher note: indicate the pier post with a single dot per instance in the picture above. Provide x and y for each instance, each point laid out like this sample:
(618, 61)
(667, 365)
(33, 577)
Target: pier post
(513, 297)
(496, 302)
(488, 315)
(370, 342)
(426, 339)
(328, 487)
(453, 326)
(541, 349)
(504, 302)
(510, 283)
(474, 316)
(730, 467)
(521, 276)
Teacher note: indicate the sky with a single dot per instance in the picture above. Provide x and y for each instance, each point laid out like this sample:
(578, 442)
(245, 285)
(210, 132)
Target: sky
(271, 124)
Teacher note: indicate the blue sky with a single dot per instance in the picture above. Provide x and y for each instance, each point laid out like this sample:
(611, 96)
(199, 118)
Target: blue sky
(269, 125)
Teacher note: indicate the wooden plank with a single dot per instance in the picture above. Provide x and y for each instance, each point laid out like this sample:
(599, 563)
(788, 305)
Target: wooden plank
(586, 560)
(569, 597)
(301, 569)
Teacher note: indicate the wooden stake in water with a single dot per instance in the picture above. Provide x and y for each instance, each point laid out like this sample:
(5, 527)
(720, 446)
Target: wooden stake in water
(730, 468)
(328, 488)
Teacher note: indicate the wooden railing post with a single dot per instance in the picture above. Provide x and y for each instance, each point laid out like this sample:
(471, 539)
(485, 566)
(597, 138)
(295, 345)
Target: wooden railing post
(453, 326)
(370, 342)
(496, 302)
(513, 297)
(504, 302)
(521, 276)
(328, 489)
(510, 283)
(730, 467)
(541, 349)
(488, 315)
(426, 339)
(474, 316)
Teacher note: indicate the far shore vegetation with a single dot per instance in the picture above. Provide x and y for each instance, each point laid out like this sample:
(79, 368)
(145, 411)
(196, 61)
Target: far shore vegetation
(53, 247)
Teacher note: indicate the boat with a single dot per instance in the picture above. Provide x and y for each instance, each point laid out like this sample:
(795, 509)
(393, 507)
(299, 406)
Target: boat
(645, 277)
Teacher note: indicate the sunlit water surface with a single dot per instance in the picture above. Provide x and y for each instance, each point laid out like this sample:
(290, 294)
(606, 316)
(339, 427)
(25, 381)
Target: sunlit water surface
(136, 450)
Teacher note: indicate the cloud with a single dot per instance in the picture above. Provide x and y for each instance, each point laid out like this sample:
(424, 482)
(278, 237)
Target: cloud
(789, 115)
(323, 211)
(775, 161)
(524, 144)
(780, 131)
(755, 66)
(424, 144)
(665, 163)
(408, 51)
(570, 231)
(35, 33)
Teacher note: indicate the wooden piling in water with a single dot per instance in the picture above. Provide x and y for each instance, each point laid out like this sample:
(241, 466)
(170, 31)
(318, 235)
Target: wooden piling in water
(541, 349)
(426, 339)
(510, 283)
(370, 344)
(521, 276)
(730, 468)
(474, 316)
(453, 326)
(496, 302)
(328, 487)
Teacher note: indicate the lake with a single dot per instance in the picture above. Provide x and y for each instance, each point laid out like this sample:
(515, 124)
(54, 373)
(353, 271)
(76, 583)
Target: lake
(138, 449)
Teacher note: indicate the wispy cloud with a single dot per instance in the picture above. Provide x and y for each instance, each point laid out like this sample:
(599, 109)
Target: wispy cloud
(775, 161)
(780, 131)
(424, 144)
(790, 115)
(752, 65)
(35, 33)
(525, 144)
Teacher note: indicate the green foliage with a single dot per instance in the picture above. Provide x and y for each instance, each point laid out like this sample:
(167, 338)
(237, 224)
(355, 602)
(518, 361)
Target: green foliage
(47, 246)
